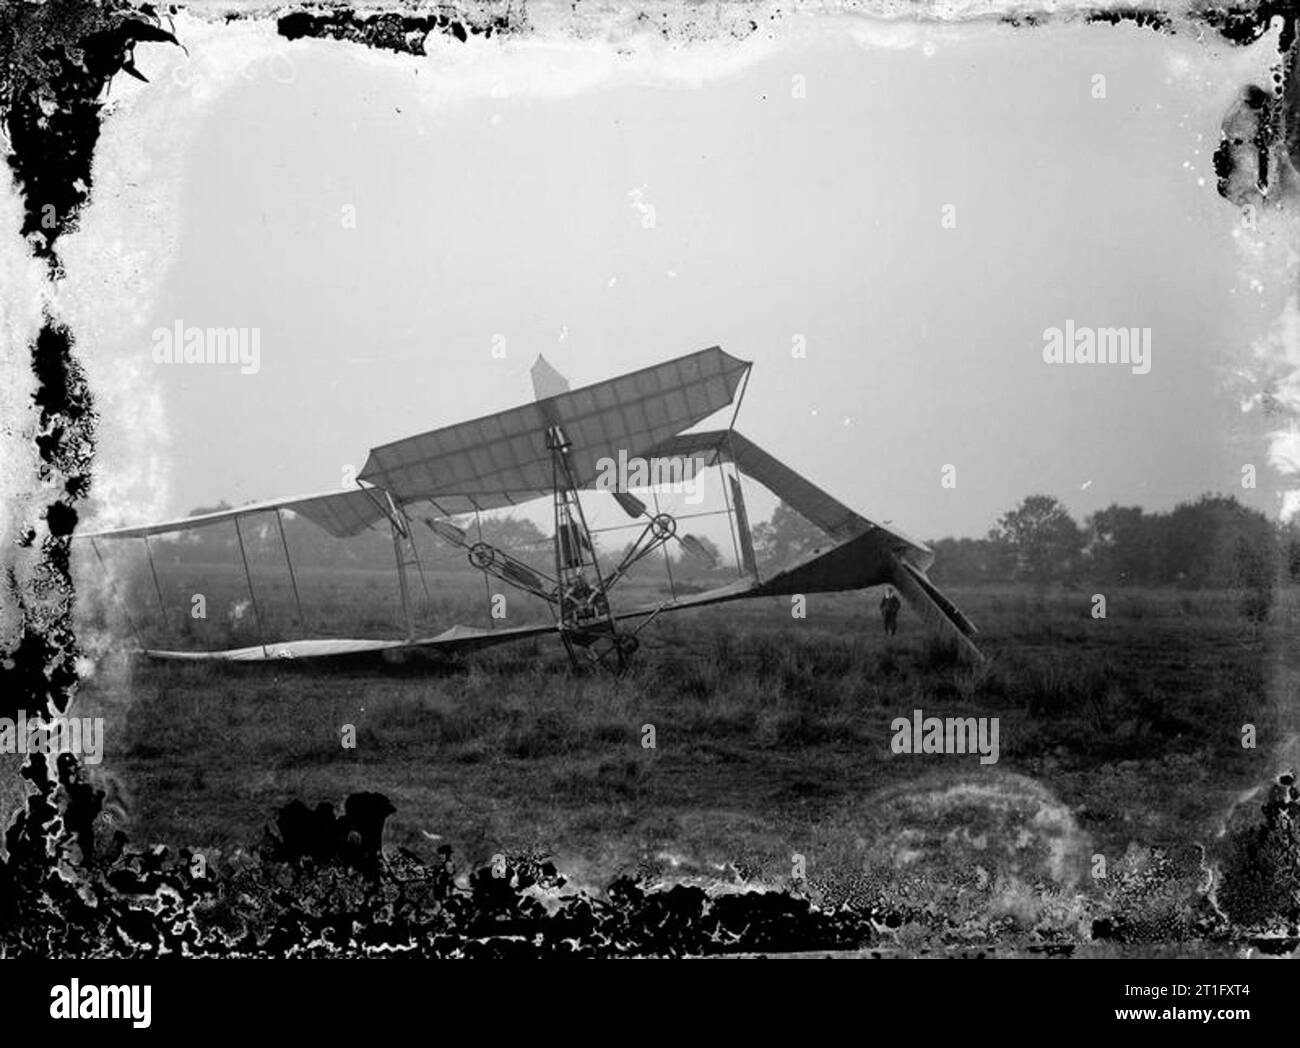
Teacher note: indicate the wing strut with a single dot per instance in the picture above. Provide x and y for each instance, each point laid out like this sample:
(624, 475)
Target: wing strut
(162, 607)
(403, 524)
(748, 562)
(293, 579)
(745, 559)
(668, 560)
(487, 586)
(257, 612)
(401, 580)
(400, 525)
(731, 518)
(112, 590)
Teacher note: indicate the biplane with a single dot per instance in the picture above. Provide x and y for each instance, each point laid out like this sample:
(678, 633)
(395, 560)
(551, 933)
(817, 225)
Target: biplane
(558, 448)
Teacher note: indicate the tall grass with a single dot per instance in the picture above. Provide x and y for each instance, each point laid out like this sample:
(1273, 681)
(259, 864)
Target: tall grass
(764, 725)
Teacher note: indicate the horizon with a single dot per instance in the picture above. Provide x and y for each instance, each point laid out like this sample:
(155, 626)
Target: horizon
(1081, 522)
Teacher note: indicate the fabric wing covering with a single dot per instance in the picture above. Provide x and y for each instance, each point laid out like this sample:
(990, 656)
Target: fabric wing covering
(341, 513)
(795, 490)
(502, 459)
(344, 513)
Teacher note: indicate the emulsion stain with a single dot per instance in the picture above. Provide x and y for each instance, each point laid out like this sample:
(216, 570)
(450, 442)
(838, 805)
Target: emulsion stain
(390, 31)
(56, 63)
(1116, 15)
(60, 60)
(1258, 158)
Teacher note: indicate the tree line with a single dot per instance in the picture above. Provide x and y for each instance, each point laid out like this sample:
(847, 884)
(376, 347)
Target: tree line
(1212, 542)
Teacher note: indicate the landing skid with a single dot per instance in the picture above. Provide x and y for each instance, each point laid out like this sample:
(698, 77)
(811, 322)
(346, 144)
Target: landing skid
(599, 647)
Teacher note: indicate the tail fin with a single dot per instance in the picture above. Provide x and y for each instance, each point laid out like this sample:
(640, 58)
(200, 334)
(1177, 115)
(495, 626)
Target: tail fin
(547, 382)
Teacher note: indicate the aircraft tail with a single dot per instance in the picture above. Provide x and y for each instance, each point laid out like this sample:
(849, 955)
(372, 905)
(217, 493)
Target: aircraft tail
(547, 382)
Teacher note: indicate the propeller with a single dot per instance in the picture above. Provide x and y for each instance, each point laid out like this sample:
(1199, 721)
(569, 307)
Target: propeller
(696, 548)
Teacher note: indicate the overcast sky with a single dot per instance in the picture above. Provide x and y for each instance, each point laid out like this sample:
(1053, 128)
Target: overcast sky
(523, 217)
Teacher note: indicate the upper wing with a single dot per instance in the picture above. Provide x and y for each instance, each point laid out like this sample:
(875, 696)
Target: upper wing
(503, 459)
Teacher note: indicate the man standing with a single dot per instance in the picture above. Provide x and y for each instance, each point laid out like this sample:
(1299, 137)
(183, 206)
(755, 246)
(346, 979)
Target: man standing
(889, 606)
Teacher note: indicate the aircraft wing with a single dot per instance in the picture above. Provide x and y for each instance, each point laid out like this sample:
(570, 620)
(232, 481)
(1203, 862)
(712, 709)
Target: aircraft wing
(341, 513)
(502, 459)
(871, 559)
(865, 554)
(455, 639)
(792, 488)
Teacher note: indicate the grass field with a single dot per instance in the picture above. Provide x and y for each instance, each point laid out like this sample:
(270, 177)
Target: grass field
(772, 742)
